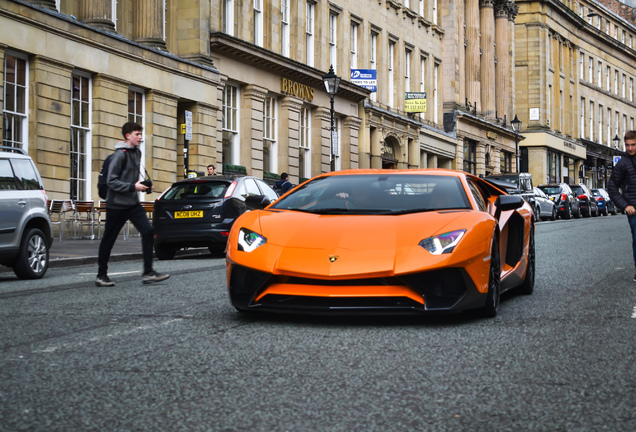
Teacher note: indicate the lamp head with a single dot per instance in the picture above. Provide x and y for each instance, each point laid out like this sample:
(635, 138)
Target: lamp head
(516, 124)
(332, 82)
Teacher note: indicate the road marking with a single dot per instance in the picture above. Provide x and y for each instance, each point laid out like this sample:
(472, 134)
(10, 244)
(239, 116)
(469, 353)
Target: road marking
(54, 348)
(634, 312)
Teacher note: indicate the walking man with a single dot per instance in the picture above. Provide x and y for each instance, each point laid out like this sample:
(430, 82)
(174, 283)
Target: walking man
(122, 204)
(624, 177)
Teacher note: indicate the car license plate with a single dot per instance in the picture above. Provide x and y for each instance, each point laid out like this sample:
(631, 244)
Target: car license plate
(188, 214)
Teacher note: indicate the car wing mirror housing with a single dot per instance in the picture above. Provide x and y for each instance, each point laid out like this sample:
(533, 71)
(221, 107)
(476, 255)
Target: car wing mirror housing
(257, 201)
(507, 202)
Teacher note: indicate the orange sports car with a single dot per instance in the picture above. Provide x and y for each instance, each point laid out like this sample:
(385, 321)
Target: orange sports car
(383, 242)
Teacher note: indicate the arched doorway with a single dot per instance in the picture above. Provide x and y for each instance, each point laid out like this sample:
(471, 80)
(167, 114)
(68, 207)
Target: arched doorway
(390, 151)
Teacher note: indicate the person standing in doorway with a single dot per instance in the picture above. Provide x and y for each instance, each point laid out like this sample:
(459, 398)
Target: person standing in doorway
(624, 178)
(122, 204)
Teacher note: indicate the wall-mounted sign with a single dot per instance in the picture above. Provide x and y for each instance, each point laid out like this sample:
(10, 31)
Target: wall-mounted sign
(293, 88)
(616, 159)
(188, 125)
(367, 78)
(491, 135)
(534, 113)
(415, 102)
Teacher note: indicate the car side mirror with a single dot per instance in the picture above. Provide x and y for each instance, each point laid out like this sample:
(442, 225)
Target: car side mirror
(507, 202)
(257, 201)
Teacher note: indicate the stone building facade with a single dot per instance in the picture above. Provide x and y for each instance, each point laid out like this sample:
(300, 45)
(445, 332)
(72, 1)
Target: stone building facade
(75, 71)
(575, 73)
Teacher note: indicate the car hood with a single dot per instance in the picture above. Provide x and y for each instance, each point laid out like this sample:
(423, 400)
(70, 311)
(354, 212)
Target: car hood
(310, 244)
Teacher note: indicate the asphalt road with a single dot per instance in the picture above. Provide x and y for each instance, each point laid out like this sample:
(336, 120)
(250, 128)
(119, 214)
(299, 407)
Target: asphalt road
(176, 356)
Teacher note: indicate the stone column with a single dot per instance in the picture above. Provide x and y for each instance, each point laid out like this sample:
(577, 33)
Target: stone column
(321, 140)
(161, 148)
(251, 114)
(473, 72)
(98, 14)
(202, 149)
(502, 51)
(148, 23)
(289, 136)
(349, 141)
(376, 146)
(487, 58)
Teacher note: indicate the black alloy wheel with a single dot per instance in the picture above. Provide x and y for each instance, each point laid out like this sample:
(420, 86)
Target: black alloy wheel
(494, 281)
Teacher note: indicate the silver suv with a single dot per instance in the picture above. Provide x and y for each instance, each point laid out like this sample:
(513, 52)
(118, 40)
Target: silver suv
(25, 227)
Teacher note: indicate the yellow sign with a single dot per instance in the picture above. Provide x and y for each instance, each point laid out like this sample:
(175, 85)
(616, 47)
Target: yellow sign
(415, 102)
(182, 128)
(491, 135)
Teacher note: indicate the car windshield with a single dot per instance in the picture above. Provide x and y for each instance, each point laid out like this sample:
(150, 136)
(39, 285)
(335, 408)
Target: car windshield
(196, 191)
(377, 194)
(551, 190)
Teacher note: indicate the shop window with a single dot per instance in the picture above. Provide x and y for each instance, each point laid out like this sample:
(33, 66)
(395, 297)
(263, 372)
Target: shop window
(505, 162)
(14, 111)
(554, 167)
(304, 145)
(270, 151)
(470, 157)
(230, 125)
(80, 136)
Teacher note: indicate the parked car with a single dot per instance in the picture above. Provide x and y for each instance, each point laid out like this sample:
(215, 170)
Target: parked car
(605, 204)
(315, 251)
(517, 184)
(543, 206)
(25, 227)
(199, 212)
(587, 203)
(566, 202)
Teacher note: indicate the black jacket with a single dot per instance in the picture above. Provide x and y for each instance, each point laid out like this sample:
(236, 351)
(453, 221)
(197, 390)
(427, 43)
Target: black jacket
(623, 177)
(121, 179)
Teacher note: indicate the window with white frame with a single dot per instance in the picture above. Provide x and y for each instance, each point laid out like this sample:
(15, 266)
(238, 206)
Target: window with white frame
(390, 71)
(600, 123)
(354, 45)
(304, 145)
(258, 23)
(623, 36)
(15, 108)
(136, 110)
(434, 12)
(623, 85)
(581, 65)
(591, 122)
(590, 70)
(631, 89)
(80, 150)
(421, 8)
(615, 81)
(309, 32)
(230, 125)
(407, 70)
(270, 150)
(582, 119)
(373, 59)
(435, 93)
(333, 41)
(228, 17)
(607, 26)
(423, 71)
(615, 32)
(284, 21)
(609, 126)
(616, 117)
(599, 74)
(607, 78)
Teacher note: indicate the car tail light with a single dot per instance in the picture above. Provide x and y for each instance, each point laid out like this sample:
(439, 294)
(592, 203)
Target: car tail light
(599, 198)
(563, 197)
(582, 197)
(230, 190)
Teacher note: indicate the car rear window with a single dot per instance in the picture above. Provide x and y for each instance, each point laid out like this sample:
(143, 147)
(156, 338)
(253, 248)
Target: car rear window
(194, 191)
(551, 190)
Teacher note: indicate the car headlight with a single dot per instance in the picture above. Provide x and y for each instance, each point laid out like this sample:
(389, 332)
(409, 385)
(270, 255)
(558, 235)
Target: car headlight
(248, 240)
(443, 243)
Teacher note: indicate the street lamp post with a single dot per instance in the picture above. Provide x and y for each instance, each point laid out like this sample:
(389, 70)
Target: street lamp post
(516, 125)
(332, 81)
(616, 141)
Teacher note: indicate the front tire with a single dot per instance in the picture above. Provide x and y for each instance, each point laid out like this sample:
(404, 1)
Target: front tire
(494, 282)
(165, 252)
(33, 259)
(528, 281)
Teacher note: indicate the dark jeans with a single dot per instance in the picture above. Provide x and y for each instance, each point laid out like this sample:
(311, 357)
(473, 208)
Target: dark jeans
(115, 221)
(632, 225)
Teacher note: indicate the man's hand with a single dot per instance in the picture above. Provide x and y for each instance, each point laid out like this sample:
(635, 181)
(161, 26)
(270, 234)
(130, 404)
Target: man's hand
(630, 210)
(142, 188)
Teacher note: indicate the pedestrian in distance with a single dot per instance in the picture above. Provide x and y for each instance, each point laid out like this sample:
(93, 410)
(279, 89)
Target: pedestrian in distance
(624, 178)
(283, 185)
(211, 170)
(122, 204)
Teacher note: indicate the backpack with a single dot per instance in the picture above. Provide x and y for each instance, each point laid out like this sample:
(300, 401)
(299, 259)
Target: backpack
(102, 181)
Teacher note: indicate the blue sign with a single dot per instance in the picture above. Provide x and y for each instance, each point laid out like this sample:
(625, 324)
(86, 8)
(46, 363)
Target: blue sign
(367, 78)
(616, 159)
